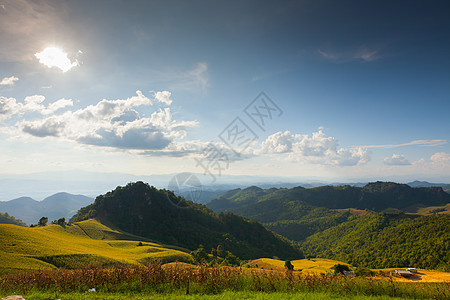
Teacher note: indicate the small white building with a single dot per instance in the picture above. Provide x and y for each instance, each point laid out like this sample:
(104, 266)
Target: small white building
(403, 273)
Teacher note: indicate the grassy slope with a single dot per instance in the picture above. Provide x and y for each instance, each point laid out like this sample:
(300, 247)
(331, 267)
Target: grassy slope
(314, 266)
(84, 243)
(320, 265)
(445, 209)
(221, 296)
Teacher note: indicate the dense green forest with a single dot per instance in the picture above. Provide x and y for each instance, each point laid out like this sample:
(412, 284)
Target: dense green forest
(386, 240)
(160, 215)
(298, 212)
(314, 218)
(5, 218)
(272, 205)
(318, 219)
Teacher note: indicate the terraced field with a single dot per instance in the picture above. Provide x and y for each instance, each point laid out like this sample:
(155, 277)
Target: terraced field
(79, 245)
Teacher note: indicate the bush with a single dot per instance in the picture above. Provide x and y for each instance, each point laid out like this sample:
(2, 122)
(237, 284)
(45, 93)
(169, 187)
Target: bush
(288, 265)
(340, 269)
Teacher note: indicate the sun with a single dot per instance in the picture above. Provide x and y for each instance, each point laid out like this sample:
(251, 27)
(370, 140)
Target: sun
(55, 57)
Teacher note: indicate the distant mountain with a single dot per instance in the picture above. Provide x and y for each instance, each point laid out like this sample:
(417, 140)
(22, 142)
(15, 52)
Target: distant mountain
(299, 212)
(278, 204)
(54, 207)
(160, 215)
(445, 186)
(5, 218)
(418, 183)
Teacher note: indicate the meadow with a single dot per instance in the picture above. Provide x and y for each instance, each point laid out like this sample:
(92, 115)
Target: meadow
(87, 243)
(179, 280)
(64, 262)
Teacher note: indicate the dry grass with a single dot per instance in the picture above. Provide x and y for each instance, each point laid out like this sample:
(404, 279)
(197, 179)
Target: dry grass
(421, 276)
(201, 280)
(306, 266)
(23, 248)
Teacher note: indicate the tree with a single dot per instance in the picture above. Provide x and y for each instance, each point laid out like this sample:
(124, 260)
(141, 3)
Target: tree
(231, 259)
(61, 221)
(43, 221)
(199, 255)
(288, 265)
(340, 269)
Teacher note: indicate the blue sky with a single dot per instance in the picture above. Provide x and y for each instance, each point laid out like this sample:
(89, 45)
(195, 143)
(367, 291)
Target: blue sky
(147, 87)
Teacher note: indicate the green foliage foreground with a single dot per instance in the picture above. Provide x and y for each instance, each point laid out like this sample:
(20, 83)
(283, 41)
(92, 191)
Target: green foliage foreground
(222, 296)
(181, 279)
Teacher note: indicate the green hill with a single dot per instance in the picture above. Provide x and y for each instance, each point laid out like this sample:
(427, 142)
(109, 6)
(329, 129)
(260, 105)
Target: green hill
(298, 212)
(253, 202)
(386, 240)
(160, 215)
(5, 218)
(79, 245)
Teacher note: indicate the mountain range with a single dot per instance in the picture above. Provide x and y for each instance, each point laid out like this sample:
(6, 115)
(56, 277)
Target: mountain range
(54, 207)
(268, 205)
(382, 224)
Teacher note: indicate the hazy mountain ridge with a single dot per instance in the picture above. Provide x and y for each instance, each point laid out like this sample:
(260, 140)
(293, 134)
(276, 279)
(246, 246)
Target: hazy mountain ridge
(54, 207)
(254, 202)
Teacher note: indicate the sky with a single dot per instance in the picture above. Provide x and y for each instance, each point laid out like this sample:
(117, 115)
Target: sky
(331, 90)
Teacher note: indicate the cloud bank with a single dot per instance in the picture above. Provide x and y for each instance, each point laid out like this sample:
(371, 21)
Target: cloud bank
(317, 149)
(396, 160)
(109, 123)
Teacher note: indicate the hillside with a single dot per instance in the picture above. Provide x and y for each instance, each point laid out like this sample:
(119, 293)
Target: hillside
(306, 266)
(80, 245)
(54, 207)
(298, 212)
(160, 215)
(386, 240)
(253, 202)
(5, 218)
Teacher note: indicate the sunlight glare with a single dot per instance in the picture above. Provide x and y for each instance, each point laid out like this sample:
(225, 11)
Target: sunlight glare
(55, 57)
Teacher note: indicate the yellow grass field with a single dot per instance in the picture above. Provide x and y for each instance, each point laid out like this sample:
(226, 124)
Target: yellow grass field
(421, 276)
(320, 265)
(312, 266)
(84, 243)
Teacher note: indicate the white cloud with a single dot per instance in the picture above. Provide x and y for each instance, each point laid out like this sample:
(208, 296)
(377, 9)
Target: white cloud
(424, 143)
(8, 80)
(52, 126)
(440, 158)
(163, 97)
(280, 142)
(397, 160)
(109, 123)
(34, 103)
(55, 57)
(57, 105)
(317, 149)
(9, 107)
